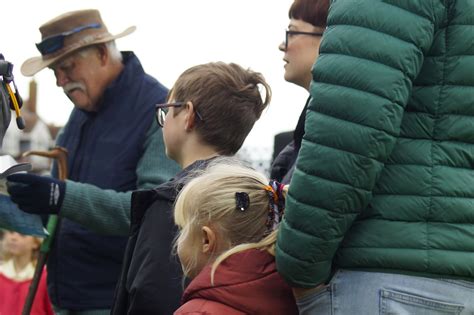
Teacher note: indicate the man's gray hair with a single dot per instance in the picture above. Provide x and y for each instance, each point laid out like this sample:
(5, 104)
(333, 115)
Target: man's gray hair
(114, 53)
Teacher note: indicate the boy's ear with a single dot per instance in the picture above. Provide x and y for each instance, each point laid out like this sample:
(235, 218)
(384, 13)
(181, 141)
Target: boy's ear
(190, 116)
(209, 240)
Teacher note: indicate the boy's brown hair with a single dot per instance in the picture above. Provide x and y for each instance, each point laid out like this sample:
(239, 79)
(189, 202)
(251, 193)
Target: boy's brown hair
(228, 99)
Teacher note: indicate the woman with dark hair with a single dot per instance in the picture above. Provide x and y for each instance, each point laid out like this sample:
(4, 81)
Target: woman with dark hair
(301, 49)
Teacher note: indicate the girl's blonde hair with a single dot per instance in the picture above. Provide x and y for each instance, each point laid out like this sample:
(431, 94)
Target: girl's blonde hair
(210, 199)
(34, 255)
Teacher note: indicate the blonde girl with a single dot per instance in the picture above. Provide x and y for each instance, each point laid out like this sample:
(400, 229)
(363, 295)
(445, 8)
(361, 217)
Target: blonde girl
(16, 273)
(227, 219)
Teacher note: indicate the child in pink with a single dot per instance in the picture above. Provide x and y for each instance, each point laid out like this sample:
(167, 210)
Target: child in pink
(16, 273)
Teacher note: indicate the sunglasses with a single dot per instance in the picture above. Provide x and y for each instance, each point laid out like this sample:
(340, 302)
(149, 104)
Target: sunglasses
(289, 34)
(162, 111)
(54, 43)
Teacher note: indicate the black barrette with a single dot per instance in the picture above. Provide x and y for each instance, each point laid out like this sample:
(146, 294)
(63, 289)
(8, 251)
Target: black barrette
(242, 200)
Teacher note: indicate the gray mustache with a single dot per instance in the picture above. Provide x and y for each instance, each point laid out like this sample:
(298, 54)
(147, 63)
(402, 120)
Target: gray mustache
(73, 85)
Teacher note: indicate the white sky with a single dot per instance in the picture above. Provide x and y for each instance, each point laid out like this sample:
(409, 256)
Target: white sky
(171, 36)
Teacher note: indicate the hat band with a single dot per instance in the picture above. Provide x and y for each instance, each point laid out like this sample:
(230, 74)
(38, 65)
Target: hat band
(54, 43)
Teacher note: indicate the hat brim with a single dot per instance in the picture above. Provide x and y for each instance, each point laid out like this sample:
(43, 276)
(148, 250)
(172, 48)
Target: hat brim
(35, 64)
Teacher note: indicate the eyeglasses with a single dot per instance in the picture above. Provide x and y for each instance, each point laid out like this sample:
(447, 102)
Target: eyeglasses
(162, 110)
(289, 33)
(54, 43)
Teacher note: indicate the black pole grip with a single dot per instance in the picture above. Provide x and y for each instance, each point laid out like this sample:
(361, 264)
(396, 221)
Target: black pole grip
(20, 122)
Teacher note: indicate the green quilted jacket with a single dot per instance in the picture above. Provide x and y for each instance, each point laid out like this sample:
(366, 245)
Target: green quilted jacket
(384, 178)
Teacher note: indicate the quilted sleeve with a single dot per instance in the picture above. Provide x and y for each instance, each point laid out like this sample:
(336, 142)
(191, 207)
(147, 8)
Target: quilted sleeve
(369, 56)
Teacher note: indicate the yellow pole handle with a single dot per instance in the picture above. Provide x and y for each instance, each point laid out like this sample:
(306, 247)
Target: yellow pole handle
(15, 102)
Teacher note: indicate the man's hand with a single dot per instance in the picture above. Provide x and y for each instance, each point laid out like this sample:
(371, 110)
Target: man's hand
(36, 194)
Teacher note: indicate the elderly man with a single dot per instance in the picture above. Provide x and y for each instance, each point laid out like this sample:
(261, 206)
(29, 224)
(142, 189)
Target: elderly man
(114, 147)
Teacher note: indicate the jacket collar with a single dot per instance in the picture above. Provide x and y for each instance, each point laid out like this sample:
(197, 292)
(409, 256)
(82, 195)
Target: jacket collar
(246, 281)
(143, 199)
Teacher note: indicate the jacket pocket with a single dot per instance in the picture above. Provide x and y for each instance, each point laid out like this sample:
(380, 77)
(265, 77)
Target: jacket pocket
(397, 302)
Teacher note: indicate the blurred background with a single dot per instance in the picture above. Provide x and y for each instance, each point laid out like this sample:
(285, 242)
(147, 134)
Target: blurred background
(171, 36)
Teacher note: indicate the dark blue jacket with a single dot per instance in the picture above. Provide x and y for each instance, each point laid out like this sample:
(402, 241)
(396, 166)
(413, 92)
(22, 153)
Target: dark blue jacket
(104, 149)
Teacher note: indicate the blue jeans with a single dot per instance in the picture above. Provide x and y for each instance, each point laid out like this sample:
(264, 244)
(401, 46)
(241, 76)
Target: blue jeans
(367, 293)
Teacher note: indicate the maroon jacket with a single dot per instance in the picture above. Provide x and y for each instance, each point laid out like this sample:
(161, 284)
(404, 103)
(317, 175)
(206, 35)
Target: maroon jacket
(245, 283)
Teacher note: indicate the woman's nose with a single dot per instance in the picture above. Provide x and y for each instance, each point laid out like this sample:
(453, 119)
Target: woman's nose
(282, 46)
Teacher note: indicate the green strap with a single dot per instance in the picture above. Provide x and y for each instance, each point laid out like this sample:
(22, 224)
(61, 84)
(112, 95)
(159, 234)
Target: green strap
(51, 227)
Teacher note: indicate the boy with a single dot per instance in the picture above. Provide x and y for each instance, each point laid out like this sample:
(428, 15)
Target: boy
(210, 111)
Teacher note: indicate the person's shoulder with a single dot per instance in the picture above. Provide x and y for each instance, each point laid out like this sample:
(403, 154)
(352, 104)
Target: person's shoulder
(3, 276)
(208, 307)
(154, 84)
(5, 265)
(148, 86)
(2, 267)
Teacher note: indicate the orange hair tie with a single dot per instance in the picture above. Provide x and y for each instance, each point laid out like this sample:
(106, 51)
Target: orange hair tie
(270, 189)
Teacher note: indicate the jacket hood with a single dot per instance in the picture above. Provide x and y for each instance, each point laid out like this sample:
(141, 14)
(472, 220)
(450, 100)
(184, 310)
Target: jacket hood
(246, 281)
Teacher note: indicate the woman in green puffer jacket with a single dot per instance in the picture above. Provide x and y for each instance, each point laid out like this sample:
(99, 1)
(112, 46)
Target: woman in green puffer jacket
(381, 204)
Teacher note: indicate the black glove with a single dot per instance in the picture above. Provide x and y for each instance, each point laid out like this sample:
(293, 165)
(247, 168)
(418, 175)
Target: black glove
(36, 194)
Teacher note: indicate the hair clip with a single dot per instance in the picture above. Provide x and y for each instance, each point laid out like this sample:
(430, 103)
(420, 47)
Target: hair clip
(276, 204)
(242, 200)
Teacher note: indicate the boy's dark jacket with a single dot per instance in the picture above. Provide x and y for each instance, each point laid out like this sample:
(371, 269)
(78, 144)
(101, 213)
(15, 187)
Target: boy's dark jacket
(151, 279)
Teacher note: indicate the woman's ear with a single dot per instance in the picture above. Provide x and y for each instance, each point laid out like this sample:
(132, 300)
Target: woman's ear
(190, 116)
(209, 240)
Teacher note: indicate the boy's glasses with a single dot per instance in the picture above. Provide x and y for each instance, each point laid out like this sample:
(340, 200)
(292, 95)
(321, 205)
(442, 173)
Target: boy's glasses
(54, 43)
(162, 110)
(289, 33)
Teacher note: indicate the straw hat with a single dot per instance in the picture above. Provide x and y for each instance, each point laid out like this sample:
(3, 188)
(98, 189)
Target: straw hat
(67, 33)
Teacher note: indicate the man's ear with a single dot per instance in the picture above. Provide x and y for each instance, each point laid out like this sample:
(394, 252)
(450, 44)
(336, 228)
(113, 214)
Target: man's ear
(190, 116)
(209, 240)
(102, 53)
